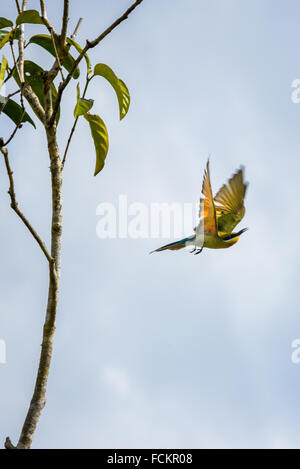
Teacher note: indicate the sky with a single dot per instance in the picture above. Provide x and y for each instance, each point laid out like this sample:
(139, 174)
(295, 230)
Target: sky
(168, 350)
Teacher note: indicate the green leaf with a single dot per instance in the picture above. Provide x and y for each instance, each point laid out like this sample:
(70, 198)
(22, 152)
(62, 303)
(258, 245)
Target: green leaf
(83, 105)
(100, 137)
(79, 49)
(5, 38)
(118, 85)
(4, 33)
(14, 111)
(32, 73)
(45, 41)
(2, 70)
(4, 23)
(29, 16)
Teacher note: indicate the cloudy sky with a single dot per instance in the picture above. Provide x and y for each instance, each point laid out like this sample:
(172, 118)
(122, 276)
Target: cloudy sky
(167, 350)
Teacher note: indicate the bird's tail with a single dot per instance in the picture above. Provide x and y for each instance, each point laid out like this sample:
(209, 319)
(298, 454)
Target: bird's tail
(234, 235)
(174, 246)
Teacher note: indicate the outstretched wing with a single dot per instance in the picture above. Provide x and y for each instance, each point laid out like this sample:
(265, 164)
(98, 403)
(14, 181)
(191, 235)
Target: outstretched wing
(207, 212)
(229, 200)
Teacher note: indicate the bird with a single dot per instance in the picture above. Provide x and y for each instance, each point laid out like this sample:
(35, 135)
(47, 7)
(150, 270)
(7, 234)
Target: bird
(218, 216)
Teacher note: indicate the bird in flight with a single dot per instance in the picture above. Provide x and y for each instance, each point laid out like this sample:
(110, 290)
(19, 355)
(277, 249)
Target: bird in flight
(218, 216)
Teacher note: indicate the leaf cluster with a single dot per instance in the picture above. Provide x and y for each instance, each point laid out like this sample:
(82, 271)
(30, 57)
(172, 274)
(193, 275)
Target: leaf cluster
(33, 77)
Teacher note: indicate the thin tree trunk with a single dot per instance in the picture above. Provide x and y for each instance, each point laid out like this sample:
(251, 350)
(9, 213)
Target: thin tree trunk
(39, 396)
(47, 114)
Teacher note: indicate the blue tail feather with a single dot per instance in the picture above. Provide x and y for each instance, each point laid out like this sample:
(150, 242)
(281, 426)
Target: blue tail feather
(174, 246)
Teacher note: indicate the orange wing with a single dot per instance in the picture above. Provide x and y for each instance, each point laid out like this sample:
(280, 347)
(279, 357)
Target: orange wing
(207, 212)
(230, 207)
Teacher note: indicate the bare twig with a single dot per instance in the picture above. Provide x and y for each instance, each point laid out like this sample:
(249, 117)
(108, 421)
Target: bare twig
(21, 47)
(18, 6)
(45, 18)
(8, 444)
(16, 128)
(21, 53)
(57, 63)
(18, 68)
(56, 66)
(89, 45)
(9, 75)
(69, 141)
(14, 206)
(76, 28)
(110, 28)
(10, 95)
(43, 9)
(27, 91)
(57, 56)
(65, 21)
(14, 59)
(2, 106)
(74, 125)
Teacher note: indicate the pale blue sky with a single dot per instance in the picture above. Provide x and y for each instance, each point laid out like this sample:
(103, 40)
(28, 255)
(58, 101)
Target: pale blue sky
(168, 350)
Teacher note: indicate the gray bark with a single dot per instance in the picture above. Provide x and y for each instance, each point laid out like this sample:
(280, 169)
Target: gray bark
(39, 396)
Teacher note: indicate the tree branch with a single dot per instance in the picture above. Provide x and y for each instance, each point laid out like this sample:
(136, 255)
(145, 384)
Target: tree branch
(25, 88)
(21, 54)
(69, 141)
(89, 45)
(16, 127)
(58, 55)
(48, 99)
(57, 63)
(65, 21)
(16, 66)
(34, 101)
(21, 46)
(8, 444)
(18, 6)
(14, 206)
(39, 395)
(45, 18)
(76, 28)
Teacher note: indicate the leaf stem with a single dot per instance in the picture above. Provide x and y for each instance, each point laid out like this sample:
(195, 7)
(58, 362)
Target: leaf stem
(88, 79)
(18, 6)
(57, 56)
